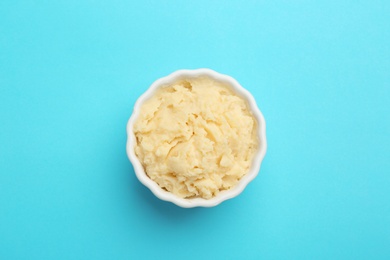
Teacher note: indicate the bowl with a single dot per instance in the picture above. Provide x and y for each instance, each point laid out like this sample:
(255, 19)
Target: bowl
(223, 195)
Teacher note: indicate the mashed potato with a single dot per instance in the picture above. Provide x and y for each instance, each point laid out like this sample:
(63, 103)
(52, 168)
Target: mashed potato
(195, 138)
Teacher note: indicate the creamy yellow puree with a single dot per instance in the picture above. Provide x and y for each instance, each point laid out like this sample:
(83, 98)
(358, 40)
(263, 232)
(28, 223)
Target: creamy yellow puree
(195, 137)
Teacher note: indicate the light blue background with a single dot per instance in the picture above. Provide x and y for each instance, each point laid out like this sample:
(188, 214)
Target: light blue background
(71, 70)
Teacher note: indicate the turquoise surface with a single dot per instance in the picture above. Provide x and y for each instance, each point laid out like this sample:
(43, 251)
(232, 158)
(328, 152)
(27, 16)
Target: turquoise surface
(70, 72)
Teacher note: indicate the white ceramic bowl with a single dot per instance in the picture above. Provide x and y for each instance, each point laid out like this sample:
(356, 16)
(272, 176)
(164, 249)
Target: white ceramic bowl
(224, 195)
